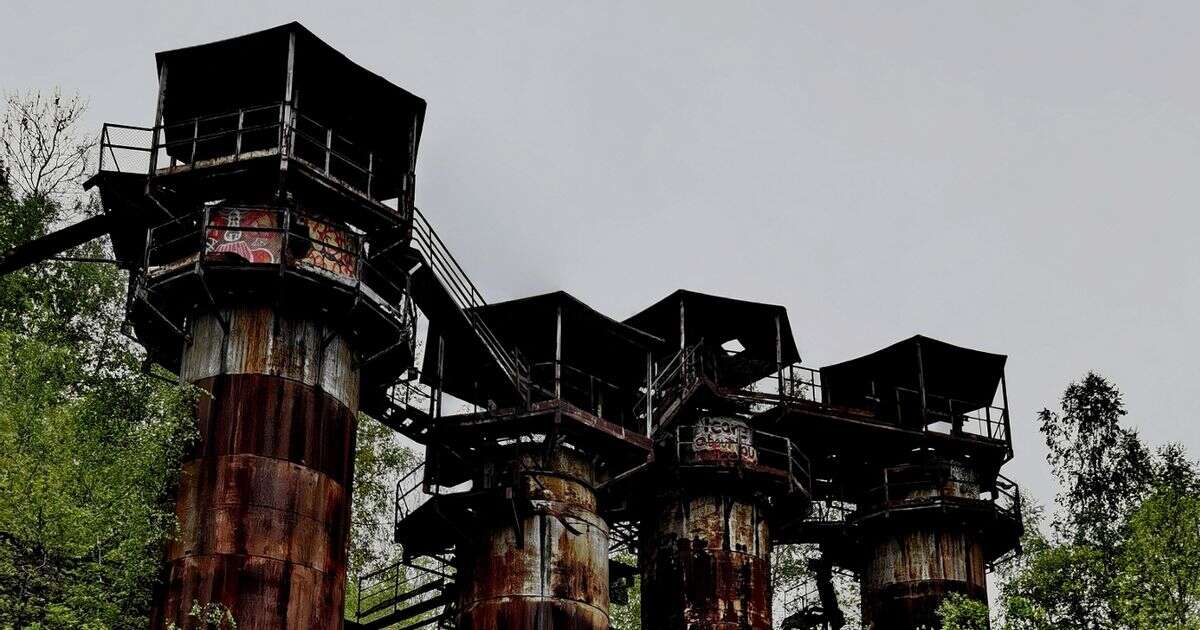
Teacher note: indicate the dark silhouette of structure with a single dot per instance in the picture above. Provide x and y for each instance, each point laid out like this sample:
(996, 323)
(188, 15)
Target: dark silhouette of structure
(278, 262)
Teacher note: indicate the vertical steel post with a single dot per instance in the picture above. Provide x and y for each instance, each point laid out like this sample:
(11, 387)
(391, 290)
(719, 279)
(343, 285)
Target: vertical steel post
(328, 148)
(921, 381)
(779, 356)
(155, 142)
(370, 172)
(441, 359)
(195, 138)
(649, 393)
(286, 111)
(558, 340)
(1004, 394)
(241, 124)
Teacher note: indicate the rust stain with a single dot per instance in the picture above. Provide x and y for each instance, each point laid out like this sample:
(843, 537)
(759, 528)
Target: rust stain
(915, 561)
(263, 502)
(555, 574)
(707, 564)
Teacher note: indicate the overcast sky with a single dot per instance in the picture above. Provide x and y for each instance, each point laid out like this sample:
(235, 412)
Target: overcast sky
(1018, 177)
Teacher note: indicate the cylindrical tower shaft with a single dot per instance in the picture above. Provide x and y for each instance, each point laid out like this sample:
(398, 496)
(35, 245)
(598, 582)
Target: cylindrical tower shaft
(922, 553)
(264, 497)
(706, 563)
(545, 568)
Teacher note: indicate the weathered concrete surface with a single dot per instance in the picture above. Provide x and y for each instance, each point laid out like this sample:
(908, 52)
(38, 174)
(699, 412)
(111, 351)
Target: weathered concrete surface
(264, 495)
(706, 564)
(918, 558)
(555, 574)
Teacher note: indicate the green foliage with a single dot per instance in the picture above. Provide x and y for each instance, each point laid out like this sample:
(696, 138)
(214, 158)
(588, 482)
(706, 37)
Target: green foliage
(1102, 466)
(89, 443)
(380, 460)
(1124, 550)
(210, 616)
(1159, 581)
(959, 612)
(628, 616)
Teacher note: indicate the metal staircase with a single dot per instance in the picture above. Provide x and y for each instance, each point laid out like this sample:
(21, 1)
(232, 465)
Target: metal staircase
(816, 606)
(672, 387)
(408, 408)
(442, 289)
(407, 595)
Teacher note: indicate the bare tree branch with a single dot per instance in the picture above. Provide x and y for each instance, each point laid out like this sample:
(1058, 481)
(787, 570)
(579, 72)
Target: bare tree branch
(40, 145)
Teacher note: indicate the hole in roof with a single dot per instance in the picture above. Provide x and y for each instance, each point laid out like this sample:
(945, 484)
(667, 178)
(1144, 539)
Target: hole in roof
(733, 346)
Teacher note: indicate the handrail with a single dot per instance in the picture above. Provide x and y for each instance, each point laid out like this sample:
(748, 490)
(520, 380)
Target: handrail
(407, 486)
(181, 231)
(671, 383)
(749, 447)
(830, 511)
(400, 585)
(184, 247)
(243, 125)
(1004, 495)
(466, 297)
(936, 408)
(795, 600)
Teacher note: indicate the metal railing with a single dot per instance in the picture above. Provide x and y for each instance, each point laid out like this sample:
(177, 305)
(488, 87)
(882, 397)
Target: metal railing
(223, 137)
(940, 484)
(231, 137)
(333, 154)
(410, 392)
(745, 448)
(802, 596)
(670, 385)
(467, 298)
(1007, 497)
(410, 493)
(403, 585)
(799, 384)
(125, 148)
(562, 381)
(830, 511)
(292, 241)
(793, 382)
(962, 417)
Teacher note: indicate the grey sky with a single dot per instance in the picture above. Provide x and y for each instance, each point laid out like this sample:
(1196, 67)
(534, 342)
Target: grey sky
(1013, 176)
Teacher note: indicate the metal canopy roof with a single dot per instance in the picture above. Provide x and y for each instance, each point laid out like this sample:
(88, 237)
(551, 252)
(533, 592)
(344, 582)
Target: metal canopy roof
(252, 70)
(591, 342)
(946, 370)
(716, 320)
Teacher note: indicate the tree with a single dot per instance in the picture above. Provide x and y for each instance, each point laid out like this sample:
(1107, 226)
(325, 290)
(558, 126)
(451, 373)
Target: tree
(89, 442)
(1105, 471)
(628, 616)
(381, 459)
(1124, 550)
(1159, 580)
(45, 154)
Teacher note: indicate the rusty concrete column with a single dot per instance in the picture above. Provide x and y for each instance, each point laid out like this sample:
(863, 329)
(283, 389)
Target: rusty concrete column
(264, 495)
(706, 564)
(706, 545)
(920, 548)
(546, 566)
